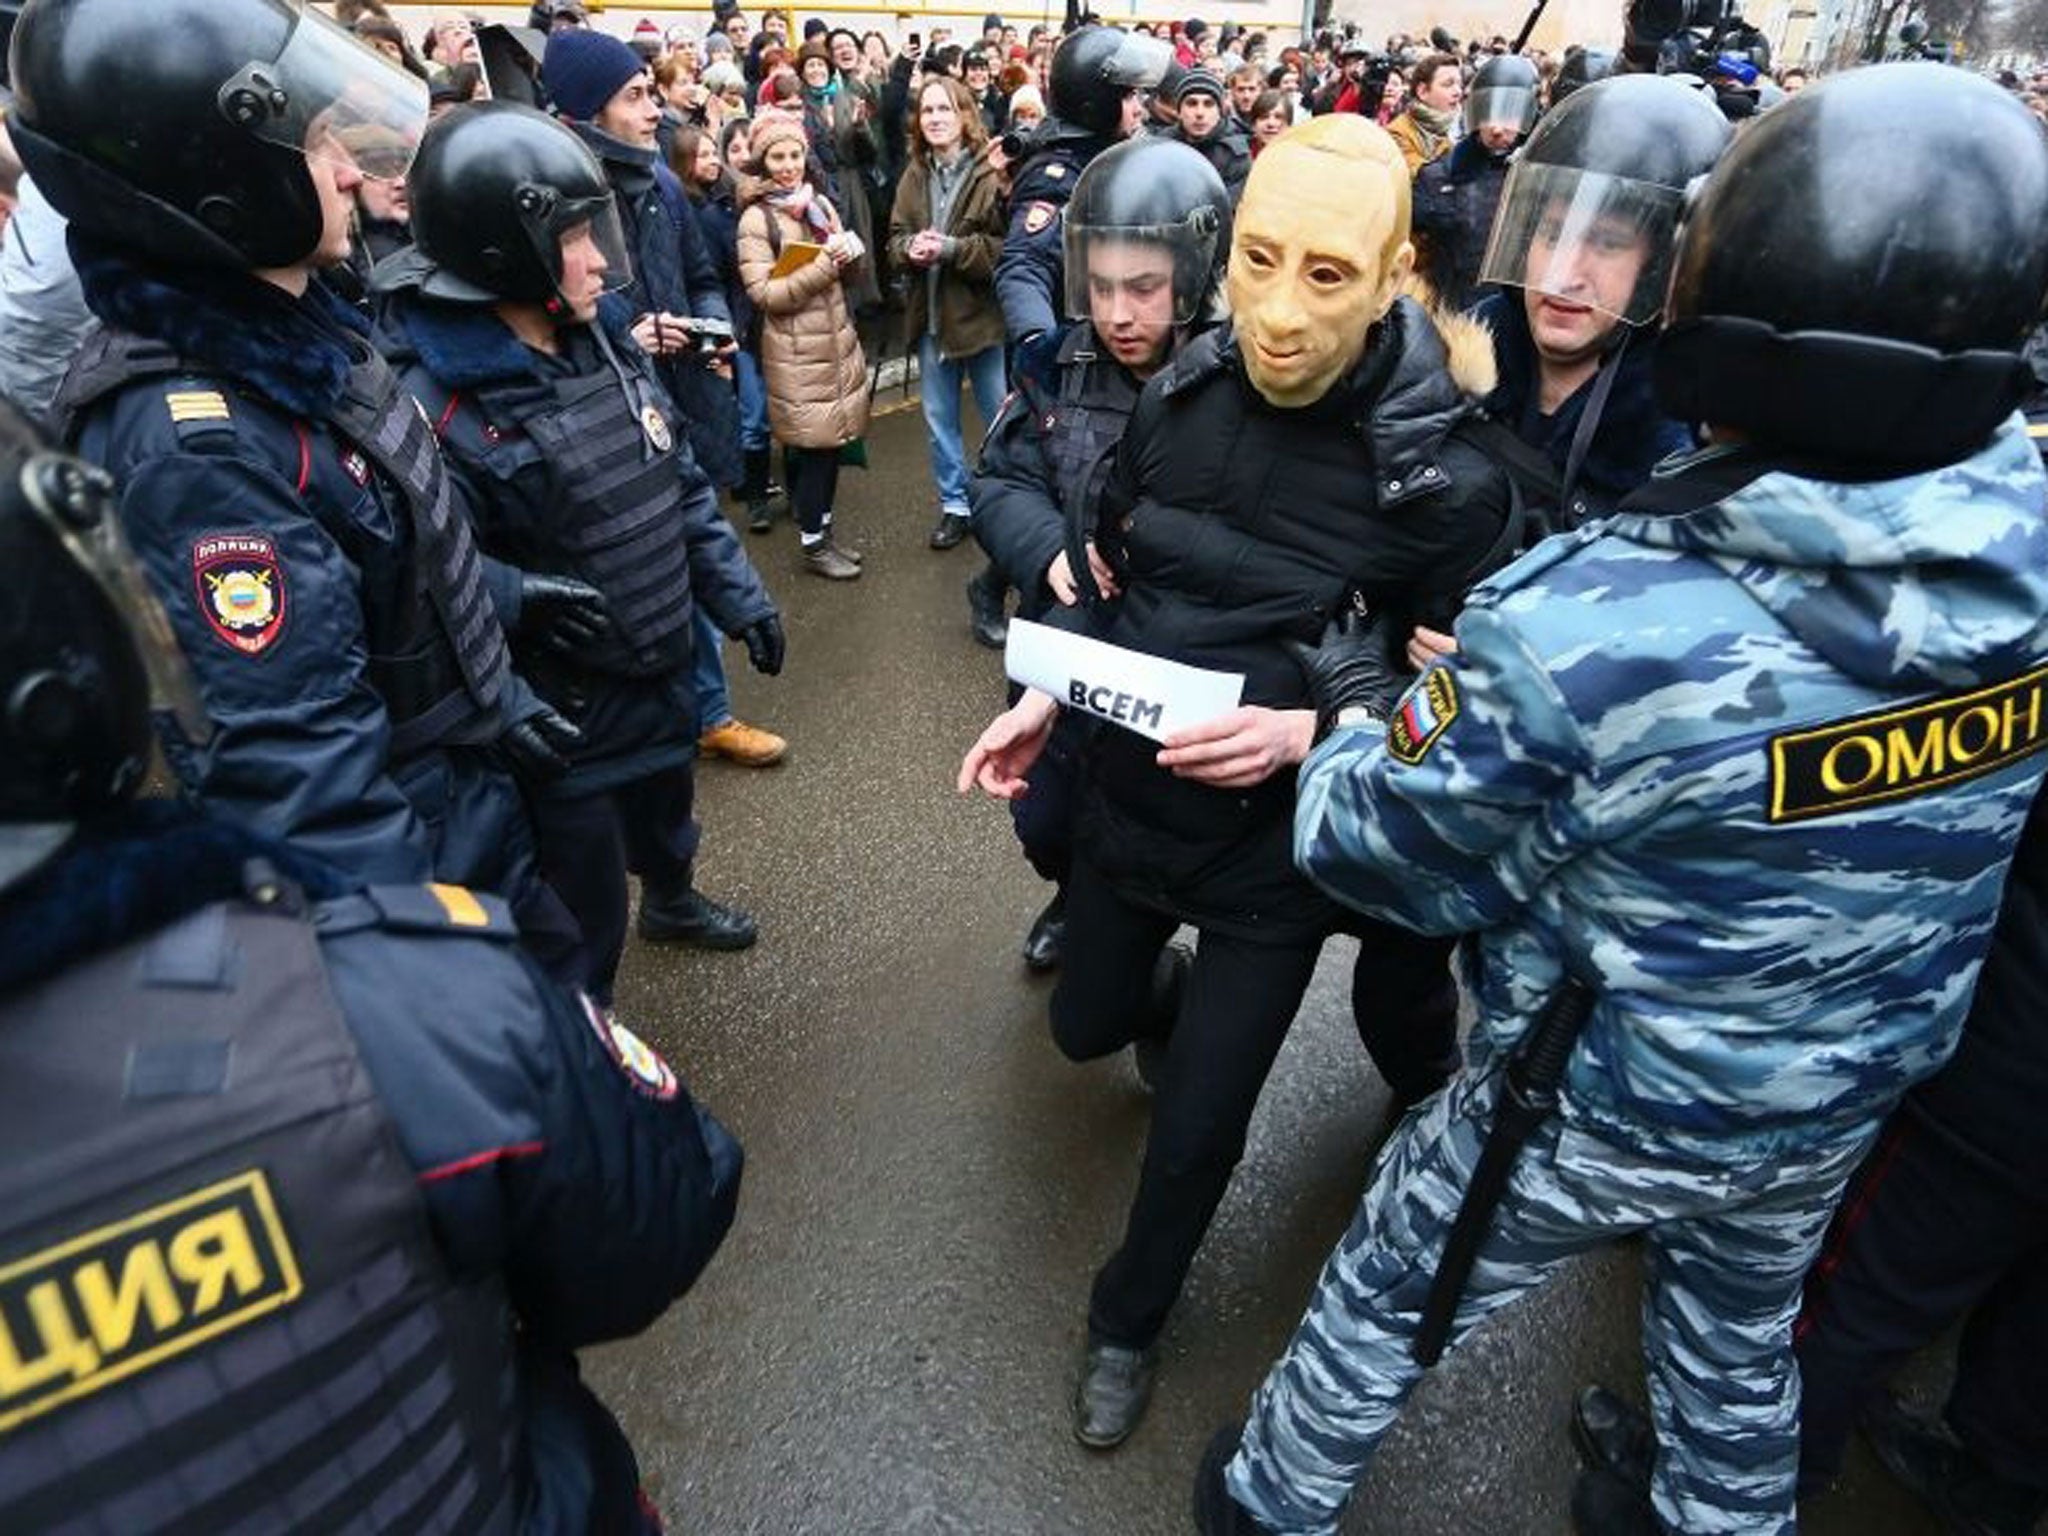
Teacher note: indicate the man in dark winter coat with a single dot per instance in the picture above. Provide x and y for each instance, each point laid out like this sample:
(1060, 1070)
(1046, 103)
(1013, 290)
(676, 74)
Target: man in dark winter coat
(281, 491)
(1206, 128)
(575, 470)
(369, 1180)
(601, 88)
(1271, 476)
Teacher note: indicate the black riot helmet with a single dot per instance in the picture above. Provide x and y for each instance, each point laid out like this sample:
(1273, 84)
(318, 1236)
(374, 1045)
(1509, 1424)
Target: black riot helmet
(1095, 68)
(1502, 95)
(1602, 181)
(1155, 192)
(495, 189)
(1856, 278)
(85, 651)
(1580, 68)
(183, 129)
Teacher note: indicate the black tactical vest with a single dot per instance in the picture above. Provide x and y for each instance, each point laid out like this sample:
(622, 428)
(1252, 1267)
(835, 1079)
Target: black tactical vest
(610, 444)
(437, 655)
(1080, 426)
(221, 1308)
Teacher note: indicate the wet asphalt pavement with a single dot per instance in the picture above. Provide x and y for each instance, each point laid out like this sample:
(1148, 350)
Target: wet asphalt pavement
(887, 1340)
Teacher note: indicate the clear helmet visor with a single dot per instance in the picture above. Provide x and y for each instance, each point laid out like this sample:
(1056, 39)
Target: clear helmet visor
(76, 503)
(582, 242)
(331, 98)
(1501, 106)
(1139, 62)
(1150, 272)
(1585, 238)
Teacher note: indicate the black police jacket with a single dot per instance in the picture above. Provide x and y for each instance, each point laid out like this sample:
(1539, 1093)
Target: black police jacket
(1047, 457)
(563, 1189)
(1628, 440)
(481, 386)
(1239, 527)
(1031, 271)
(290, 572)
(1989, 1097)
(674, 272)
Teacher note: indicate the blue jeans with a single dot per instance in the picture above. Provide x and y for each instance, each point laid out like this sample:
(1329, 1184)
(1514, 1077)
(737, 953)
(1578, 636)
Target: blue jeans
(939, 381)
(753, 402)
(707, 675)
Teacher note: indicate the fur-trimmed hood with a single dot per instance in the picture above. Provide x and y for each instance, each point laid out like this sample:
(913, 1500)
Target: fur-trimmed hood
(297, 352)
(465, 346)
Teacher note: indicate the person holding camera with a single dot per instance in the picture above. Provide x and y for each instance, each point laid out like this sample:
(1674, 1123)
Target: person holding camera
(570, 451)
(946, 229)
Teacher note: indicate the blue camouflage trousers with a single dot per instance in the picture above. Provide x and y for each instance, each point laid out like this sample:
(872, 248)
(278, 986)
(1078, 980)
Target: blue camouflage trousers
(1728, 1245)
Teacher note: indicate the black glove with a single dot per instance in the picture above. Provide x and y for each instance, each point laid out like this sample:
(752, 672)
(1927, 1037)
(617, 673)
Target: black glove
(538, 746)
(765, 644)
(562, 613)
(1350, 669)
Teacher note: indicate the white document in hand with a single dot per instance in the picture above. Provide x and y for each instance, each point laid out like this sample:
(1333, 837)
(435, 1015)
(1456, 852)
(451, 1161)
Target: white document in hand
(1144, 693)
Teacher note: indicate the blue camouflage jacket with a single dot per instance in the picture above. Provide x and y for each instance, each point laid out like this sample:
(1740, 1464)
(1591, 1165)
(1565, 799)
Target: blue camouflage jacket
(1750, 759)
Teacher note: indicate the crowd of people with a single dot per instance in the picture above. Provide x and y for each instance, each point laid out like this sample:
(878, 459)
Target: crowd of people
(1634, 568)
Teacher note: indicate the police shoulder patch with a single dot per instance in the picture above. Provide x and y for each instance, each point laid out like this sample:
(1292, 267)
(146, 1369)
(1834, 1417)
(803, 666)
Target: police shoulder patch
(1892, 754)
(190, 405)
(640, 1062)
(1038, 215)
(1424, 713)
(240, 585)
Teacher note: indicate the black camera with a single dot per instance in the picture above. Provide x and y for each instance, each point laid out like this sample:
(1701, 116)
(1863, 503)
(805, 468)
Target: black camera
(1686, 37)
(706, 335)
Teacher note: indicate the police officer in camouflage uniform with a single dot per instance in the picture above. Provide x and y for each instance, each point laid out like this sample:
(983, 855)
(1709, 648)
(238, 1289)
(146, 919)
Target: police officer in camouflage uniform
(1744, 765)
(309, 1190)
(287, 497)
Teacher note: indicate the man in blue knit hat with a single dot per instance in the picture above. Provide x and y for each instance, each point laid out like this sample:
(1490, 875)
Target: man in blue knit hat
(603, 91)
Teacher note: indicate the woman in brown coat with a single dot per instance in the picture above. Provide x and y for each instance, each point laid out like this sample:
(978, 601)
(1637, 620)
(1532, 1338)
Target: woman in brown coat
(810, 356)
(947, 230)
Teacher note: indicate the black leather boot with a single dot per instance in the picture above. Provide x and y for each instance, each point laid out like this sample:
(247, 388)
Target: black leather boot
(1967, 1497)
(1048, 935)
(1216, 1512)
(754, 491)
(1162, 1012)
(688, 916)
(985, 614)
(1612, 1432)
(1112, 1394)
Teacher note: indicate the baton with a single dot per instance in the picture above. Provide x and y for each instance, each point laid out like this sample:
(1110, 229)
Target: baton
(1535, 15)
(1528, 1098)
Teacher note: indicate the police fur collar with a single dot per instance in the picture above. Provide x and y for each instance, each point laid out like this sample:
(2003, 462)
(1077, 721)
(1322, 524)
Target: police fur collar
(466, 346)
(296, 352)
(131, 875)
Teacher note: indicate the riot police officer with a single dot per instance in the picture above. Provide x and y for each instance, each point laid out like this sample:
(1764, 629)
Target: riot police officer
(1456, 194)
(279, 484)
(1098, 78)
(1574, 419)
(574, 463)
(312, 1188)
(1727, 785)
(1051, 447)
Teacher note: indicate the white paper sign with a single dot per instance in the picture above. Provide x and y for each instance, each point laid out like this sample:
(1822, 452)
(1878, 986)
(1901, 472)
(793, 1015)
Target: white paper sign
(1143, 693)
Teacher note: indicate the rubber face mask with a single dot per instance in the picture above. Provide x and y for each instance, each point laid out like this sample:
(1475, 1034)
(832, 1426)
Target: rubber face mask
(1314, 263)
